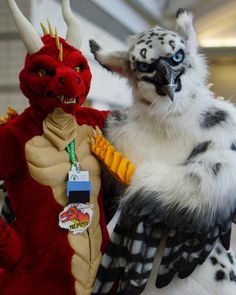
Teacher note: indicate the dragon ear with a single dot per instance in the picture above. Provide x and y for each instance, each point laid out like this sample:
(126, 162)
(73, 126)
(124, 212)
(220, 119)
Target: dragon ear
(116, 61)
(29, 36)
(184, 24)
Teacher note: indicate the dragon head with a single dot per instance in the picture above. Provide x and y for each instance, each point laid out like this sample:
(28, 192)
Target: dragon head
(55, 74)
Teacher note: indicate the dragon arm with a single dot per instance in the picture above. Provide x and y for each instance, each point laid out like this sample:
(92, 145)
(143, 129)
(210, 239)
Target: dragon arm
(9, 151)
(92, 117)
(10, 246)
(119, 166)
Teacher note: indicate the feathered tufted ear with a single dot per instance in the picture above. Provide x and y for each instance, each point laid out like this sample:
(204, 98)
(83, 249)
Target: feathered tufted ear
(116, 61)
(184, 23)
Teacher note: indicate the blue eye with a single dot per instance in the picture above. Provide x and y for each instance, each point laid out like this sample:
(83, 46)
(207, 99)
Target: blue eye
(145, 67)
(178, 57)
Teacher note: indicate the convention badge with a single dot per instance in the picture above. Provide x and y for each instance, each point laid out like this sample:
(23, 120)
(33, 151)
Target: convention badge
(75, 174)
(76, 217)
(83, 175)
(79, 192)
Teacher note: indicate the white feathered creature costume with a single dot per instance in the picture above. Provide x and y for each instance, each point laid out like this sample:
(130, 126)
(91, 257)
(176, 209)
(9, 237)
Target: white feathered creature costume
(173, 233)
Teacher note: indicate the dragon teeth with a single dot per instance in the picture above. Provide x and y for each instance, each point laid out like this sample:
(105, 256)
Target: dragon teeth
(70, 100)
(66, 100)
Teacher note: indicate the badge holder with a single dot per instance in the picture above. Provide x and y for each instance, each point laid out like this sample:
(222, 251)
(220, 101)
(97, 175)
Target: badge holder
(77, 215)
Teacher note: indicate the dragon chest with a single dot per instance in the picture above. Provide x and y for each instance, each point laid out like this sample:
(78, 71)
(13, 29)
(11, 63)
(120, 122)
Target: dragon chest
(49, 164)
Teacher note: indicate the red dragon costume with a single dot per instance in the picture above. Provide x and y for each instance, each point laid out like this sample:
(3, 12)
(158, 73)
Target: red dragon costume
(38, 256)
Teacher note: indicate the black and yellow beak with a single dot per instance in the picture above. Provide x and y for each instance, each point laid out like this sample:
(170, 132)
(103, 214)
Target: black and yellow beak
(166, 79)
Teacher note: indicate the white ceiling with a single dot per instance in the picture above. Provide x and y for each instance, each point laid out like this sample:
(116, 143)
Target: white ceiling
(217, 26)
(215, 20)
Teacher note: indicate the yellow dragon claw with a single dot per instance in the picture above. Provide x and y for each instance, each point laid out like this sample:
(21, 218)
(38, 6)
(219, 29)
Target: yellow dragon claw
(115, 161)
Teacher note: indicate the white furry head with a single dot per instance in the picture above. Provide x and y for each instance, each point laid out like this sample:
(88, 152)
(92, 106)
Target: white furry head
(159, 65)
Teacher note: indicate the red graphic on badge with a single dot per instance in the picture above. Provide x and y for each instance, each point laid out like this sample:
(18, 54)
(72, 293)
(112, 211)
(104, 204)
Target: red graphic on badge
(76, 217)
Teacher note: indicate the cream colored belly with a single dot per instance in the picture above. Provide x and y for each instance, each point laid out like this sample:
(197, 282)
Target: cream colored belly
(49, 164)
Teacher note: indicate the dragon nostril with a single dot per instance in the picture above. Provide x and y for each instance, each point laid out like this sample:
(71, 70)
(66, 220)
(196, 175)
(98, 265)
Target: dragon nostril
(49, 94)
(61, 80)
(78, 80)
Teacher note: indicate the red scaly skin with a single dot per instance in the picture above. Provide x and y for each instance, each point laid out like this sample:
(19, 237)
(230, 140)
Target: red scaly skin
(45, 255)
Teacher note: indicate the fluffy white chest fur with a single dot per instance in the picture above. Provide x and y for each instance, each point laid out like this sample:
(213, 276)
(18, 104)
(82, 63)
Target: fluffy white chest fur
(170, 140)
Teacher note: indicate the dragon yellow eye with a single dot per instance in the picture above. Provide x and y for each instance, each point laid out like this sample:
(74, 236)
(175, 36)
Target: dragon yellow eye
(41, 73)
(78, 68)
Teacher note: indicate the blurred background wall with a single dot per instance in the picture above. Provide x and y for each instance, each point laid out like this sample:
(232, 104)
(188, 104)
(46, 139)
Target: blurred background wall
(110, 22)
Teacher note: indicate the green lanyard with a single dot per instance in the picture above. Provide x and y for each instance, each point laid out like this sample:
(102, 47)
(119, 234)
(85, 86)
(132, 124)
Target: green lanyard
(71, 152)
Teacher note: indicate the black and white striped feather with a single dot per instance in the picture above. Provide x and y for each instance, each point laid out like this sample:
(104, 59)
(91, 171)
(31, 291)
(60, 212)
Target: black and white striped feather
(141, 228)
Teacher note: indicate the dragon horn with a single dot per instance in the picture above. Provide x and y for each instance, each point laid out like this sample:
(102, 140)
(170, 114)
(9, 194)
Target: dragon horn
(29, 36)
(73, 31)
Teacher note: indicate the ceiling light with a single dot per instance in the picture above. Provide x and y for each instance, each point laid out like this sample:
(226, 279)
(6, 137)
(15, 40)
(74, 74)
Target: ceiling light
(230, 42)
